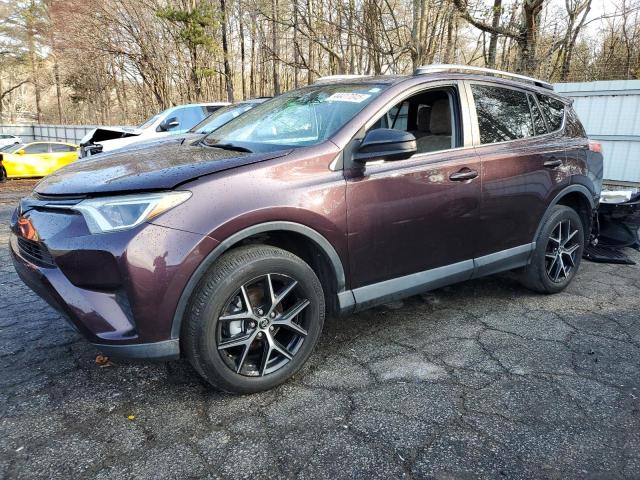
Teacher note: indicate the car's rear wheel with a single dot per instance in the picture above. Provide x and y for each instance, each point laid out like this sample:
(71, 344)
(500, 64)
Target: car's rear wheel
(254, 319)
(558, 252)
(3, 174)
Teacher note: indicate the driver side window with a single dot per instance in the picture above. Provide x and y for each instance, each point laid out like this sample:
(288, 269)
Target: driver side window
(428, 116)
(36, 148)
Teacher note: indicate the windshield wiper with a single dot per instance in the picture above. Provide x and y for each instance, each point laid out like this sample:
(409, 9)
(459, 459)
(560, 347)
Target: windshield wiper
(229, 146)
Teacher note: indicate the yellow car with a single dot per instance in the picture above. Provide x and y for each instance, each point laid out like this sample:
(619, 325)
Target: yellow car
(36, 159)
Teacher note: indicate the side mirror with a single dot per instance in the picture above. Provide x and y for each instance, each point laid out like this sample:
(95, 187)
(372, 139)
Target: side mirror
(21, 152)
(385, 144)
(169, 123)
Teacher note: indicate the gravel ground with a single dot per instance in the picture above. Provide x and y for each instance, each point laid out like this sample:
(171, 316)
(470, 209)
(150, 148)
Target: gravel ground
(480, 380)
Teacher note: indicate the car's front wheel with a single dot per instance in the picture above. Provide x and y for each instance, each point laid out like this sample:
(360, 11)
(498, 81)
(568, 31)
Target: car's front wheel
(254, 319)
(558, 252)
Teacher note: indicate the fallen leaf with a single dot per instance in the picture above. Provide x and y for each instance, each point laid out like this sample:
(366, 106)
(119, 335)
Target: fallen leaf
(102, 360)
(131, 417)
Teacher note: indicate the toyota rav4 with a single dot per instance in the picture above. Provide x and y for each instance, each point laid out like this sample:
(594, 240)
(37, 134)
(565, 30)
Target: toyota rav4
(326, 200)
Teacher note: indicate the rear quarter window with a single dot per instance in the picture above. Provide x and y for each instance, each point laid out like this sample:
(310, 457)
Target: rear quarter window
(573, 125)
(553, 111)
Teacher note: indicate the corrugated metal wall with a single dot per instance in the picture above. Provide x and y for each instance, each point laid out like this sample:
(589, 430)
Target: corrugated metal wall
(63, 133)
(610, 112)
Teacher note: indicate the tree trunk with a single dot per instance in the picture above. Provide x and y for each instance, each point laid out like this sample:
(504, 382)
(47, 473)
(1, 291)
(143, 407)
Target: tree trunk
(33, 61)
(493, 39)
(225, 51)
(274, 47)
(56, 75)
(252, 67)
(242, 50)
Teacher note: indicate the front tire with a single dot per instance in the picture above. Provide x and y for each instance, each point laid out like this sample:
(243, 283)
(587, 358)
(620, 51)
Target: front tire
(558, 252)
(254, 319)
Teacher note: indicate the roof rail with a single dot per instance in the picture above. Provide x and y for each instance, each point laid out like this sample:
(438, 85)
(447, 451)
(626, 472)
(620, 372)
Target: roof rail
(331, 78)
(445, 67)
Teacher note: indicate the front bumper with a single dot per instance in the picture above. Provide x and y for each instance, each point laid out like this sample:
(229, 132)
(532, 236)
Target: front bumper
(120, 290)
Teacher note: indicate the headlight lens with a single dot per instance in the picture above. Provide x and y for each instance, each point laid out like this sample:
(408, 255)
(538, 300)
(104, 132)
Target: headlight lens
(110, 214)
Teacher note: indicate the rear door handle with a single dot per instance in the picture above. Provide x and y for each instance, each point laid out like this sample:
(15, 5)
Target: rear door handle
(464, 174)
(553, 163)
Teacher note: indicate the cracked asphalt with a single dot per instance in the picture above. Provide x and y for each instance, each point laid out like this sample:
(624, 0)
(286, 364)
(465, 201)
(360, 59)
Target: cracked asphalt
(480, 380)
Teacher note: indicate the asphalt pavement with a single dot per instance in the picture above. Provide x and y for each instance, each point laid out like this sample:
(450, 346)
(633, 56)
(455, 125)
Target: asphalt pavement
(479, 380)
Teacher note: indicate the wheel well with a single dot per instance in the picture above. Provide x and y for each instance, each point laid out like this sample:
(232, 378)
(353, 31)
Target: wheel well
(309, 251)
(581, 205)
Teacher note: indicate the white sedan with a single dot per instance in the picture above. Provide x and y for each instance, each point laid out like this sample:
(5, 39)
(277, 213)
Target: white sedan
(6, 140)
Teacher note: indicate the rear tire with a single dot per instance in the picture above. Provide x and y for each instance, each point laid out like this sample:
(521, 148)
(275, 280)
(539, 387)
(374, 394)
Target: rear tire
(3, 175)
(558, 252)
(254, 319)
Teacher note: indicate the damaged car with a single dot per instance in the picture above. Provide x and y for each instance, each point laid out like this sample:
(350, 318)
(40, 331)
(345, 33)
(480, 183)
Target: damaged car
(171, 121)
(326, 200)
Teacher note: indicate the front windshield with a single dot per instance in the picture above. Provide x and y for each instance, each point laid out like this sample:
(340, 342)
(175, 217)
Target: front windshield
(12, 148)
(220, 117)
(150, 122)
(307, 116)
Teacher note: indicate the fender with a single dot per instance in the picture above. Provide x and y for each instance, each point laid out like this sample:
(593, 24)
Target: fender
(345, 298)
(575, 187)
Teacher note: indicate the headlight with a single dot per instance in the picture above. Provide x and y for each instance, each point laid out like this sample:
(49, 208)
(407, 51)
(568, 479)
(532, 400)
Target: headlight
(110, 214)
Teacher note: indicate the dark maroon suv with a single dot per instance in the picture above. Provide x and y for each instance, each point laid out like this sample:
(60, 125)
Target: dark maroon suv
(326, 200)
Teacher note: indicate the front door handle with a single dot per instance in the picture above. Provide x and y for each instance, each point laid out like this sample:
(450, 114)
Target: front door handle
(464, 174)
(553, 163)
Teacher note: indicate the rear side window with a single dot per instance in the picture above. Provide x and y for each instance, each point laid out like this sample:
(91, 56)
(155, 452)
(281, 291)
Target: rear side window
(553, 111)
(503, 114)
(57, 148)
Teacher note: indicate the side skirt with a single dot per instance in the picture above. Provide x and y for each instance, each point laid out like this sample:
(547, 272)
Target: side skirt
(401, 287)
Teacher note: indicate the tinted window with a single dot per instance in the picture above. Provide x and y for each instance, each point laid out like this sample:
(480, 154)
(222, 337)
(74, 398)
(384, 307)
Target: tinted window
(553, 111)
(573, 126)
(503, 114)
(188, 117)
(37, 148)
(538, 121)
(57, 148)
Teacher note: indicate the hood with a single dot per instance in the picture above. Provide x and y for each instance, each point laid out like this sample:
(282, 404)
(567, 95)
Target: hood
(164, 140)
(102, 134)
(160, 166)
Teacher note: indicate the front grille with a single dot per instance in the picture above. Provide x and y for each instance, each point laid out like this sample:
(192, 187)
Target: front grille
(35, 252)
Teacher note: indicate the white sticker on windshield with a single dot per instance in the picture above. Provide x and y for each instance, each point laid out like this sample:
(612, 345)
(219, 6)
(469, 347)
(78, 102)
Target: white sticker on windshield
(348, 97)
